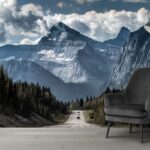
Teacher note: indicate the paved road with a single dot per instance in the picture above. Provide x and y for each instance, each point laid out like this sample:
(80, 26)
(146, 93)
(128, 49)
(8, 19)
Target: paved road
(73, 122)
(74, 135)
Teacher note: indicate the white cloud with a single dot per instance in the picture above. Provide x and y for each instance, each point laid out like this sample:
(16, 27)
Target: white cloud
(7, 4)
(61, 4)
(135, 1)
(143, 15)
(36, 10)
(26, 41)
(102, 26)
(25, 20)
(86, 1)
(130, 1)
(30, 21)
(7, 8)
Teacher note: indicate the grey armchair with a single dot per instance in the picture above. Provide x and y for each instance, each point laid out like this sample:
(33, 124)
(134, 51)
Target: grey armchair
(132, 106)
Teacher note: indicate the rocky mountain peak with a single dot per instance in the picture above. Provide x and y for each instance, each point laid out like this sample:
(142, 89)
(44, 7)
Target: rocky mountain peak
(59, 32)
(121, 37)
(124, 32)
(135, 54)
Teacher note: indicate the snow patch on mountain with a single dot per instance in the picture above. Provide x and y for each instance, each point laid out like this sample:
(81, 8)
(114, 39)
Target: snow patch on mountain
(71, 72)
(68, 69)
(50, 55)
(62, 36)
(10, 58)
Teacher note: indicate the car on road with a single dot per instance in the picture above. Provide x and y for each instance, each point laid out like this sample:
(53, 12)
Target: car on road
(78, 117)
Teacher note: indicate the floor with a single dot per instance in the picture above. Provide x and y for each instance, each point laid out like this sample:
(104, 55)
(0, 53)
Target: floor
(74, 134)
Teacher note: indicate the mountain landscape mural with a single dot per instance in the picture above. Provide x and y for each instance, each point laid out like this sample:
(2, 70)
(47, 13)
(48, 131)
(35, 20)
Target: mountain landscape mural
(74, 65)
(74, 74)
(71, 64)
(75, 54)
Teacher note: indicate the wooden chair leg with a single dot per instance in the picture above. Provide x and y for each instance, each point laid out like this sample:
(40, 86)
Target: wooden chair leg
(108, 129)
(130, 129)
(141, 132)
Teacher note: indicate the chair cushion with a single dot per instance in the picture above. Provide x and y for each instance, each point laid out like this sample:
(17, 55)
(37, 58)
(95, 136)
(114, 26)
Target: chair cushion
(126, 110)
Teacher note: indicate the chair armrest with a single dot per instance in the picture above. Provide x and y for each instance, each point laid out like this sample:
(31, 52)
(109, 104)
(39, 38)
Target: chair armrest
(147, 104)
(115, 98)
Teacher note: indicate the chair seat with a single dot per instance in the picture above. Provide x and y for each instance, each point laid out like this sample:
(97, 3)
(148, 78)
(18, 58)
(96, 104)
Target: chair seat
(126, 110)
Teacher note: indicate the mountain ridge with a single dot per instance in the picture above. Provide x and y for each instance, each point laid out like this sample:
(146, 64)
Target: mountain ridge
(120, 38)
(135, 55)
(34, 73)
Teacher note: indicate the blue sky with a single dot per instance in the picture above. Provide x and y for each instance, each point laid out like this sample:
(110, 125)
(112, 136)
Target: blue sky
(82, 6)
(26, 21)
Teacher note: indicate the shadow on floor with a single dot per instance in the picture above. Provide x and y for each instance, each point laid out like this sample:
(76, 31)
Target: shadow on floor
(124, 134)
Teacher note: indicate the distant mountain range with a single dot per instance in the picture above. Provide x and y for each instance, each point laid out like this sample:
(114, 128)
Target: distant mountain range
(71, 64)
(135, 54)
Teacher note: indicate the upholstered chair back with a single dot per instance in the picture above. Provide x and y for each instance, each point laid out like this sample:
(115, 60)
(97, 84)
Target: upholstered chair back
(138, 88)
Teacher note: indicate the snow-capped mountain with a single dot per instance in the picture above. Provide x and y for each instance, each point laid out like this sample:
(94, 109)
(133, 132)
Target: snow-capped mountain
(62, 47)
(136, 54)
(78, 64)
(73, 55)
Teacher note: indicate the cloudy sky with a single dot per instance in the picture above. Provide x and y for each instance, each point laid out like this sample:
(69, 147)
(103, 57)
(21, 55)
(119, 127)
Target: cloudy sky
(25, 21)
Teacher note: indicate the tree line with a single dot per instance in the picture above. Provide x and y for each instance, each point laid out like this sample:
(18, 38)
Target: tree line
(95, 104)
(91, 102)
(23, 98)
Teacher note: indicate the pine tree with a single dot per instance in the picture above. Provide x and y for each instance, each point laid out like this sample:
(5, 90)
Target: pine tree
(24, 99)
